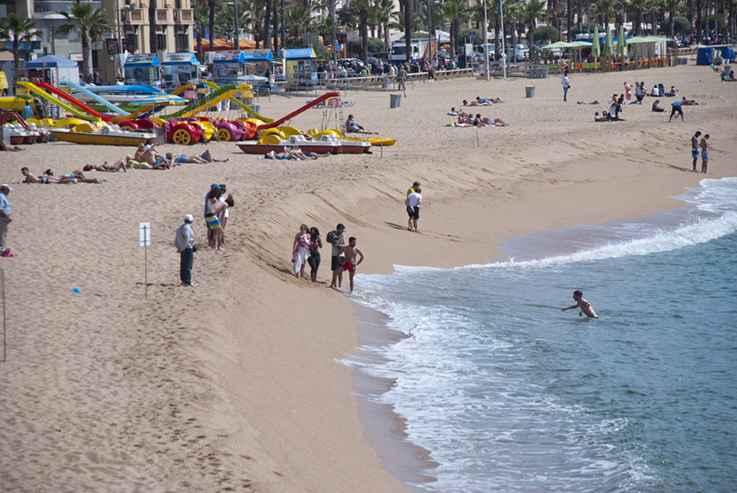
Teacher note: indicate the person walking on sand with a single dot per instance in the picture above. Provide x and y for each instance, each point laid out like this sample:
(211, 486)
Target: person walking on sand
(628, 91)
(184, 241)
(695, 149)
(351, 252)
(413, 202)
(676, 109)
(213, 217)
(301, 250)
(314, 260)
(5, 220)
(704, 153)
(337, 239)
(566, 85)
(581, 303)
(413, 187)
(401, 80)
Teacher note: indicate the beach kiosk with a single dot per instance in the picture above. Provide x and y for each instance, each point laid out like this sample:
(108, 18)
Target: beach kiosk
(226, 67)
(53, 69)
(256, 62)
(301, 67)
(179, 69)
(143, 69)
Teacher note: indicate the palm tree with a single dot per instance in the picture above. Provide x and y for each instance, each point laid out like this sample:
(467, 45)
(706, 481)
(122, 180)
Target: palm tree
(636, 7)
(363, 14)
(200, 19)
(699, 31)
(18, 31)
(153, 41)
(383, 10)
(569, 23)
(91, 23)
(408, 29)
(531, 13)
(456, 12)
(298, 19)
(211, 23)
(605, 10)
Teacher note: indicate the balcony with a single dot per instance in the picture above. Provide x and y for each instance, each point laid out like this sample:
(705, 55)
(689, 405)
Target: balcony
(49, 9)
(132, 17)
(164, 16)
(184, 17)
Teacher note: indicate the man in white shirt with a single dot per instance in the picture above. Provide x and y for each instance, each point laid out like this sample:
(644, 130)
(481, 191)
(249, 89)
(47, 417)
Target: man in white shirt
(5, 220)
(566, 85)
(184, 241)
(413, 202)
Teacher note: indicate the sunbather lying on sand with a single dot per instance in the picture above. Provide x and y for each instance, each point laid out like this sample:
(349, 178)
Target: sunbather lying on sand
(104, 167)
(132, 163)
(487, 102)
(595, 101)
(31, 178)
(297, 154)
(75, 176)
(4, 147)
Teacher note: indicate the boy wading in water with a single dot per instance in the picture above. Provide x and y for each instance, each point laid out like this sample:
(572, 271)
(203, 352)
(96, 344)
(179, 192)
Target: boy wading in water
(351, 253)
(581, 303)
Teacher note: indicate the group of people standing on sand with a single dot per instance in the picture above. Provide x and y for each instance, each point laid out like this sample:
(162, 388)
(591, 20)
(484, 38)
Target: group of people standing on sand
(306, 250)
(217, 211)
(702, 145)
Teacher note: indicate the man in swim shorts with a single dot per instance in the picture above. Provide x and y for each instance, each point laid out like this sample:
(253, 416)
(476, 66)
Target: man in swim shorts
(413, 202)
(695, 149)
(351, 252)
(337, 240)
(581, 303)
(215, 207)
(704, 153)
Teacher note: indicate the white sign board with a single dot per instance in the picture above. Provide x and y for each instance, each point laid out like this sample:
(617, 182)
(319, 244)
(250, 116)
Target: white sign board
(145, 230)
(352, 35)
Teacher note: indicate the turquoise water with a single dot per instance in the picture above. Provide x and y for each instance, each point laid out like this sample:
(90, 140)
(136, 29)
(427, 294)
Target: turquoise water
(508, 393)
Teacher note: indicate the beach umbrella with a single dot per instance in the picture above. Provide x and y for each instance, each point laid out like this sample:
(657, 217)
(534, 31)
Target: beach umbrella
(621, 42)
(608, 43)
(596, 43)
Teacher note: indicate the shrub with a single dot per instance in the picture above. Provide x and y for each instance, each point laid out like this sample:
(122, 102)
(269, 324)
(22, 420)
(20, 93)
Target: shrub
(546, 33)
(681, 25)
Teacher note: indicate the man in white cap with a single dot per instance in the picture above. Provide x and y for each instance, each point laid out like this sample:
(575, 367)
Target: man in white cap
(5, 213)
(184, 242)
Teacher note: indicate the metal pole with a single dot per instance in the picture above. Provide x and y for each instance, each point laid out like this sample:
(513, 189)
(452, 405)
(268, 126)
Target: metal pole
(2, 286)
(335, 35)
(501, 21)
(588, 19)
(145, 249)
(429, 32)
(283, 32)
(486, 44)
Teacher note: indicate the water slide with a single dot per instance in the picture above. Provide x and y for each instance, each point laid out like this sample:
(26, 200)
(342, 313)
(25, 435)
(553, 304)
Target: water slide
(309, 105)
(94, 96)
(210, 100)
(240, 103)
(73, 101)
(34, 89)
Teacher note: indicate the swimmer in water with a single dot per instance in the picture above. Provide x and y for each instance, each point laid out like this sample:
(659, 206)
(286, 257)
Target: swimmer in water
(581, 303)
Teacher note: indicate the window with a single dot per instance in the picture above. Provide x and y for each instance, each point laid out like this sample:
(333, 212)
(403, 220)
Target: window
(130, 43)
(161, 41)
(182, 43)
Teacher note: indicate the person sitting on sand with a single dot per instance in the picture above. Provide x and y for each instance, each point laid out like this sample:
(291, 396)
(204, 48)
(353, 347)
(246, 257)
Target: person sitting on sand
(106, 168)
(688, 102)
(598, 118)
(595, 101)
(4, 147)
(31, 178)
(657, 108)
(672, 92)
(453, 112)
(465, 119)
(74, 175)
(352, 127)
(581, 303)
(655, 93)
(478, 121)
(661, 89)
(148, 154)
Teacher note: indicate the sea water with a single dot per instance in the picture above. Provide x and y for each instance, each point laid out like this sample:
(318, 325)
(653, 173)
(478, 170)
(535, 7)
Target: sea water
(508, 393)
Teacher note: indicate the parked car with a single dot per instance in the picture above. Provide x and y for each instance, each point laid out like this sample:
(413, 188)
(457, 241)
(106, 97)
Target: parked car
(373, 61)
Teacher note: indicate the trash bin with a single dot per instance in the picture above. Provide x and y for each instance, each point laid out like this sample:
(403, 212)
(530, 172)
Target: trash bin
(531, 73)
(385, 83)
(256, 108)
(396, 100)
(543, 73)
(530, 91)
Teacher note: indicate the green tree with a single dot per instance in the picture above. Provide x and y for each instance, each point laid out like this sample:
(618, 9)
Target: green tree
(383, 10)
(604, 9)
(298, 19)
(533, 10)
(91, 24)
(17, 31)
(672, 7)
(201, 13)
(636, 7)
(455, 12)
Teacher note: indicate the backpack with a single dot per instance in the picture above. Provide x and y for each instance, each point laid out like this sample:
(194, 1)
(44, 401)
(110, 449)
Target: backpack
(332, 236)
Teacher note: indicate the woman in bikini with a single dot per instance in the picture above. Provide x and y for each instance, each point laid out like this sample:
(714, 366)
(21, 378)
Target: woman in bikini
(314, 259)
(301, 251)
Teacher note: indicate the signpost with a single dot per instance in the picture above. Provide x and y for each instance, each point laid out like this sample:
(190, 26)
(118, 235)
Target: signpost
(145, 241)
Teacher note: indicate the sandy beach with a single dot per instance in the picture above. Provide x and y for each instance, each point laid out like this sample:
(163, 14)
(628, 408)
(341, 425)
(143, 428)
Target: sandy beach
(240, 384)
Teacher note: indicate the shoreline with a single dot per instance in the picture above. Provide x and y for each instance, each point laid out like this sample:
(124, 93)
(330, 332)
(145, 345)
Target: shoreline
(385, 430)
(240, 382)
